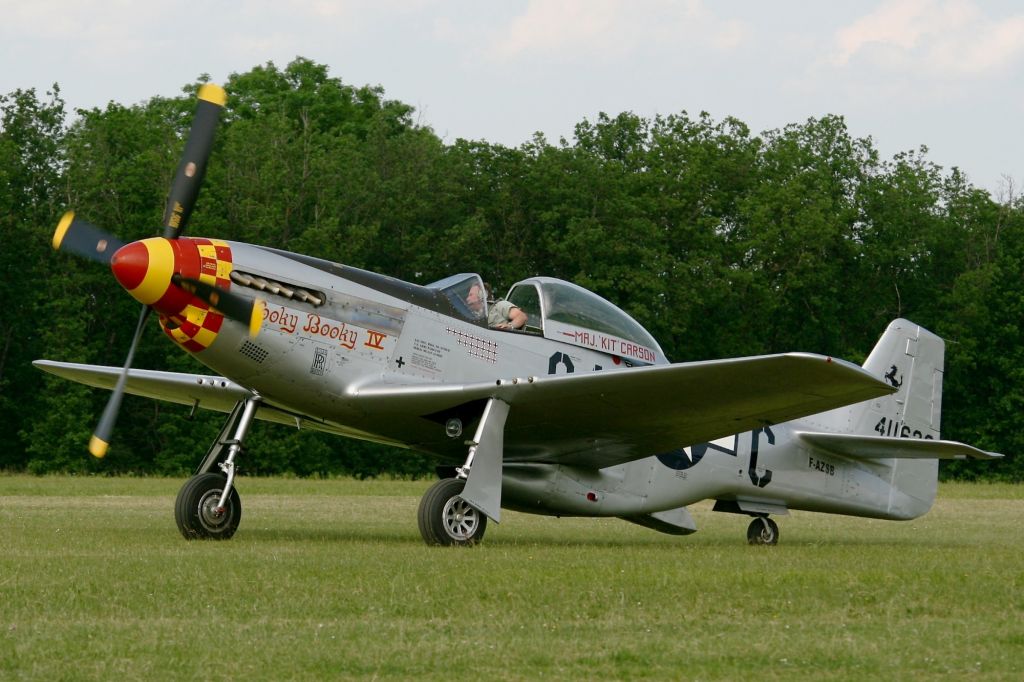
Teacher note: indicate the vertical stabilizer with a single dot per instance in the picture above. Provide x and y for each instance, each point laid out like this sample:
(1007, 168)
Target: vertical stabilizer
(910, 358)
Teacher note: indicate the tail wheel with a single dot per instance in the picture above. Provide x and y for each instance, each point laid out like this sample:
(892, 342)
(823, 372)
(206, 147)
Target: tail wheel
(446, 519)
(197, 513)
(762, 531)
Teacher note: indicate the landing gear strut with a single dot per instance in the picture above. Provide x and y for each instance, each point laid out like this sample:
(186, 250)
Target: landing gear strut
(208, 506)
(454, 511)
(762, 531)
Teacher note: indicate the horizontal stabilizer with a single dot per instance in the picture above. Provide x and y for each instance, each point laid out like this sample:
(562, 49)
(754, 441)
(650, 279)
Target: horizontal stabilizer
(881, 447)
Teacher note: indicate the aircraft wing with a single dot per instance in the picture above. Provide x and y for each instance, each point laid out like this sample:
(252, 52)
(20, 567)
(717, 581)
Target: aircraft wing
(213, 393)
(208, 392)
(601, 418)
(595, 419)
(881, 447)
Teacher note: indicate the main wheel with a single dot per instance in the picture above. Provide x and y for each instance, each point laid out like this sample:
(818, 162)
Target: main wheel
(762, 531)
(446, 519)
(196, 508)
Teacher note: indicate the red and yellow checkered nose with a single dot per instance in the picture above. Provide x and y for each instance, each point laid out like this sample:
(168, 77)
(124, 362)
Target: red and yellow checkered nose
(145, 269)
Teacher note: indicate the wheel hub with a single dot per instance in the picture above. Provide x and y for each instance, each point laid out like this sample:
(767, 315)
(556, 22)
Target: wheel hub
(211, 515)
(460, 519)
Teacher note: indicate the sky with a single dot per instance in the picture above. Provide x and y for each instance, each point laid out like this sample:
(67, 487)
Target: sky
(946, 74)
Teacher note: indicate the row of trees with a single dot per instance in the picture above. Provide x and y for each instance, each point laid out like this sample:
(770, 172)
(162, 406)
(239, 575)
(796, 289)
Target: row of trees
(722, 242)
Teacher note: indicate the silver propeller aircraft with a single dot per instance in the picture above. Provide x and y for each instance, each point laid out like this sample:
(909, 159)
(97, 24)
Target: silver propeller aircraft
(577, 413)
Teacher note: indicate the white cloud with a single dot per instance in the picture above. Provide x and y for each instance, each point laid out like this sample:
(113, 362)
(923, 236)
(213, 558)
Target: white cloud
(88, 22)
(589, 29)
(932, 36)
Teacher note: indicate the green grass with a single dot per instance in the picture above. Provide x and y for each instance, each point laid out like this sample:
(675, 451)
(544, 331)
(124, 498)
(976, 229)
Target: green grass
(329, 579)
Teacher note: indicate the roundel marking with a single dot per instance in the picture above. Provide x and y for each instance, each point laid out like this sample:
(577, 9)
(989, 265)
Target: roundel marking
(681, 459)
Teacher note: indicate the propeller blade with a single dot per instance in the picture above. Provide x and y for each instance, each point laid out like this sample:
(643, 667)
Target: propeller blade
(189, 176)
(74, 235)
(239, 308)
(101, 436)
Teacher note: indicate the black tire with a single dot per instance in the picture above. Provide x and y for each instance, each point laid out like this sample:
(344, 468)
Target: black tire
(195, 508)
(762, 531)
(446, 519)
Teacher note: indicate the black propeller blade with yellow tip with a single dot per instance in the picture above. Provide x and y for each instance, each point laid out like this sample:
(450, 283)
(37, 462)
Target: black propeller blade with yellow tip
(101, 435)
(76, 236)
(81, 238)
(189, 176)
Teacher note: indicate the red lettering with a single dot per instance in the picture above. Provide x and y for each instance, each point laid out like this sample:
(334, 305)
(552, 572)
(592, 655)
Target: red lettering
(375, 339)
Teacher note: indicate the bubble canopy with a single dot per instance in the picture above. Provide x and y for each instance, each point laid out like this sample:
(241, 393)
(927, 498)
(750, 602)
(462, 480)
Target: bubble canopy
(561, 311)
(566, 312)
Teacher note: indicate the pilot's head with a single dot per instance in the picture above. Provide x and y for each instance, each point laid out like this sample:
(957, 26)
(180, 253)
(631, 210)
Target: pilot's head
(475, 299)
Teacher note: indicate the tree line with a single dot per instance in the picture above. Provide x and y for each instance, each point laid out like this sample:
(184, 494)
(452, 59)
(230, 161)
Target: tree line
(721, 241)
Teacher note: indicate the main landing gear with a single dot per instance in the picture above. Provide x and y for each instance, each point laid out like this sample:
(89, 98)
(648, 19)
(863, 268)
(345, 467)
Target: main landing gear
(446, 519)
(454, 511)
(208, 506)
(762, 531)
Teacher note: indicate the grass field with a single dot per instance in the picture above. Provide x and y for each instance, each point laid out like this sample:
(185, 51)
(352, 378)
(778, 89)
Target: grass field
(329, 579)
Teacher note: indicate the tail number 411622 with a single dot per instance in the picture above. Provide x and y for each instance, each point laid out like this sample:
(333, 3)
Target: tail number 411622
(897, 429)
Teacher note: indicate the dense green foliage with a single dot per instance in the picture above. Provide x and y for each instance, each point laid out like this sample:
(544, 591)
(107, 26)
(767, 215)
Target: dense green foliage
(720, 241)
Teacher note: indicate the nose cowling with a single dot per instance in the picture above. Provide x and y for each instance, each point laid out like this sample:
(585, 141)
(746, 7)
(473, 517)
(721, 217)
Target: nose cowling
(144, 268)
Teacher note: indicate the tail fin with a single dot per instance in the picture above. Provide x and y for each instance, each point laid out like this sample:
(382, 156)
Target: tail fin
(910, 358)
(897, 436)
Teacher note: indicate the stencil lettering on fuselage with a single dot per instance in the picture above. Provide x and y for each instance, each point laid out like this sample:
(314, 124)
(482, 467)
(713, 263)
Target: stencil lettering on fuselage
(427, 357)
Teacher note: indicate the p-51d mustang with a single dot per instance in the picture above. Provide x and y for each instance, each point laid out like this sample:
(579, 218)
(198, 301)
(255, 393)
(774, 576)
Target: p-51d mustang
(579, 413)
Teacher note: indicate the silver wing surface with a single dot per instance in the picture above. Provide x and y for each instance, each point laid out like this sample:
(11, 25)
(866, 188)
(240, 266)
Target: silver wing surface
(594, 420)
(208, 392)
(603, 418)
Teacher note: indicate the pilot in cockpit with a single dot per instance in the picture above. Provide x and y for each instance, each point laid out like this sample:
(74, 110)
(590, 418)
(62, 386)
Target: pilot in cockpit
(500, 314)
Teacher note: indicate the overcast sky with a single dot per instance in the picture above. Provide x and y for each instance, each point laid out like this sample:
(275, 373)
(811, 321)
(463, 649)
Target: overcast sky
(941, 73)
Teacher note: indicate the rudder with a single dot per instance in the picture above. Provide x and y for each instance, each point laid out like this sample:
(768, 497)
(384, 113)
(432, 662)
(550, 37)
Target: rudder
(910, 358)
